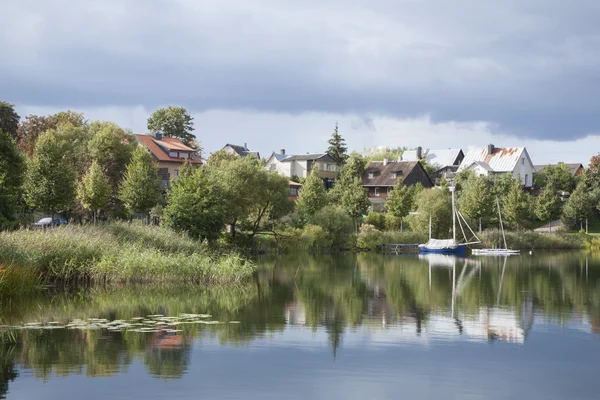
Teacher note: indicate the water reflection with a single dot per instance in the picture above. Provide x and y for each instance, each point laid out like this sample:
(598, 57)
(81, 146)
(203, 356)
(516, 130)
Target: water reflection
(366, 300)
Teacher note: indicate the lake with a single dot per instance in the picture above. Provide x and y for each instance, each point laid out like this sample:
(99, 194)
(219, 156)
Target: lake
(320, 327)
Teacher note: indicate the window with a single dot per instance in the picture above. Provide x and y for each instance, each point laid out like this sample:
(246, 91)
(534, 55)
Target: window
(371, 175)
(394, 175)
(273, 167)
(332, 168)
(293, 191)
(522, 161)
(389, 190)
(325, 167)
(173, 154)
(176, 173)
(526, 179)
(377, 192)
(184, 155)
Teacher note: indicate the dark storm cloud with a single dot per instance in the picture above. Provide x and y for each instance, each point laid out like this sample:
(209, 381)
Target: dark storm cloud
(528, 67)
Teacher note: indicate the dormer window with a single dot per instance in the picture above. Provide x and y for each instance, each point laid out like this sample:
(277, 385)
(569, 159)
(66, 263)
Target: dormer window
(173, 154)
(184, 155)
(371, 175)
(394, 175)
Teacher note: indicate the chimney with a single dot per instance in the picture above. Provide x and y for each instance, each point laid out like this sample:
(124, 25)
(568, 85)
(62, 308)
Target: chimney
(419, 153)
(490, 149)
(399, 158)
(246, 146)
(282, 151)
(385, 161)
(157, 135)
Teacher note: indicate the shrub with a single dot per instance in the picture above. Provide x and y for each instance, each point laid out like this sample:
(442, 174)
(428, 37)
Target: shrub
(337, 224)
(371, 238)
(532, 240)
(376, 219)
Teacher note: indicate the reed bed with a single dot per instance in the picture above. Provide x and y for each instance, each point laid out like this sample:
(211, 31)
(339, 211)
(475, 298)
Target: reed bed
(118, 252)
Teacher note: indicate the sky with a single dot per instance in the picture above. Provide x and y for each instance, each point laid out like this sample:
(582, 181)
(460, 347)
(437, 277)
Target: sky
(279, 74)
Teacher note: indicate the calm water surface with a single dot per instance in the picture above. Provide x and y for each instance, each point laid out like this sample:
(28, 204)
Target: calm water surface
(327, 327)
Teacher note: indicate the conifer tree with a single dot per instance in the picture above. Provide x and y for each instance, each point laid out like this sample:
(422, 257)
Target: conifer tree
(337, 147)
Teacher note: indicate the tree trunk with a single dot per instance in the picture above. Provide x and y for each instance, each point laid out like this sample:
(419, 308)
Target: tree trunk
(479, 224)
(233, 229)
(401, 224)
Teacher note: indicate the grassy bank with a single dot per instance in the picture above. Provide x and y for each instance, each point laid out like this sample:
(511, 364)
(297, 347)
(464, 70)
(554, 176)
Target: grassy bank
(117, 252)
(529, 240)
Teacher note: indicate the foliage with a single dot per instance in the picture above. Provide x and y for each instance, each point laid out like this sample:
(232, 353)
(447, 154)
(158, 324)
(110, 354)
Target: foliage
(119, 252)
(548, 205)
(94, 190)
(194, 205)
(502, 185)
(437, 204)
(174, 122)
(381, 153)
(34, 126)
(375, 219)
(50, 178)
(461, 179)
(477, 200)
(400, 201)
(354, 200)
(12, 168)
(516, 205)
(337, 147)
(336, 223)
(313, 196)
(351, 170)
(529, 240)
(140, 189)
(220, 158)
(558, 177)
(579, 206)
(314, 238)
(370, 237)
(9, 119)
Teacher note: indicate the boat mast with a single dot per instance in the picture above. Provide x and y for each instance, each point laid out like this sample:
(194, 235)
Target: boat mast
(453, 217)
(501, 224)
(429, 226)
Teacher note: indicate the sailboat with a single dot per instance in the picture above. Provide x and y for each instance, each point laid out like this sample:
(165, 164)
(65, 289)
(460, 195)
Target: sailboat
(450, 246)
(498, 251)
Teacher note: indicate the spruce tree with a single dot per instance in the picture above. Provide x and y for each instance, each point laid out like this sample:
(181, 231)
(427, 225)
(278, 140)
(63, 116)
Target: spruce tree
(140, 189)
(337, 147)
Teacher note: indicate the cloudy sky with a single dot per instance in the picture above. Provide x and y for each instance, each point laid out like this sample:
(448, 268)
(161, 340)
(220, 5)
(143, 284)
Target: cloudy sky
(280, 73)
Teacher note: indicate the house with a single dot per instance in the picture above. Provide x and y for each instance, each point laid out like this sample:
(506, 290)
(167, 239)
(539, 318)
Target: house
(445, 161)
(576, 169)
(381, 176)
(491, 160)
(241, 151)
(295, 188)
(170, 154)
(302, 165)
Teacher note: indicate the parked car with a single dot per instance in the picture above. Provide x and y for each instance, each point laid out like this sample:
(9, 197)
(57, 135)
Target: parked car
(46, 222)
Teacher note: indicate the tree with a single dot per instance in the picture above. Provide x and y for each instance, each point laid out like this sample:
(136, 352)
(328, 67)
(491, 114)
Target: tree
(272, 200)
(174, 122)
(336, 223)
(9, 119)
(579, 206)
(337, 147)
(219, 158)
(94, 190)
(380, 153)
(558, 177)
(140, 189)
(12, 168)
(111, 147)
(437, 204)
(34, 125)
(354, 200)
(516, 204)
(50, 179)
(548, 205)
(352, 169)
(195, 205)
(477, 200)
(501, 185)
(400, 201)
(313, 196)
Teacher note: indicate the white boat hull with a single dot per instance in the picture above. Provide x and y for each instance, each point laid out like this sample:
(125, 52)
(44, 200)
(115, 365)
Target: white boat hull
(495, 252)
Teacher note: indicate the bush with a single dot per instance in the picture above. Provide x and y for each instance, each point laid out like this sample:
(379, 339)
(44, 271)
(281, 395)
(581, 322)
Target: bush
(532, 240)
(376, 219)
(337, 224)
(371, 238)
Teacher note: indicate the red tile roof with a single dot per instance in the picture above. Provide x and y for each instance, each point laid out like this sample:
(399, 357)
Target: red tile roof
(157, 148)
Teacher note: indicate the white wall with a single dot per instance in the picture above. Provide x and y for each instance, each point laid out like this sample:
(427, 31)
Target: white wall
(524, 170)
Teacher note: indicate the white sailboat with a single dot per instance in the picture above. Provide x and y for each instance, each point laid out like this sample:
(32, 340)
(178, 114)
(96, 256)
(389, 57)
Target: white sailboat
(497, 251)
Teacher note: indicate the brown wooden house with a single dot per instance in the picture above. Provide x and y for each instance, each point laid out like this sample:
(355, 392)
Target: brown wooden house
(381, 176)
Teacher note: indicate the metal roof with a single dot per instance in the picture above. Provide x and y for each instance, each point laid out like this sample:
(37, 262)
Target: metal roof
(310, 157)
(501, 160)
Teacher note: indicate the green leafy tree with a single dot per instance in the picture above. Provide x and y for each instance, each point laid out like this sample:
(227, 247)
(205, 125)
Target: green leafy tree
(9, 119)
(354, 200)
(548, 205)
(140, 189)
(12, 168)
(34, 125)
(271, 201)
(353, 169)
(94, 190)
(50, 179)
(501, 185)
(461, 179)
(174, 122)
(400, 202)
(477, 199)
(195, 205)
(337, 147)
(579, 206)
(313, 196)
(559, 177)
(336, 223)
(516, 204)
(111, 147)
(219, 158)
(380, 153)
(437, 204)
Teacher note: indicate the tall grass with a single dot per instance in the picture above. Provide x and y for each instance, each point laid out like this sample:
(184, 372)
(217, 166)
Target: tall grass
(532, 240)
(370, 238)
(119, 252)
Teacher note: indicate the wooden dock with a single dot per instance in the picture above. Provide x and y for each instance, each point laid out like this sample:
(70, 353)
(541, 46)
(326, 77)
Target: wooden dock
(397, 248)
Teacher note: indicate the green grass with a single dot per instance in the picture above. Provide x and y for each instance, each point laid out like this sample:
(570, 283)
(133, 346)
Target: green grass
(118, 252)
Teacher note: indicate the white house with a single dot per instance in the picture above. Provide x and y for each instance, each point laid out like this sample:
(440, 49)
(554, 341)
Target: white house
(301, 165)
(495, 161)
(441, 158)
